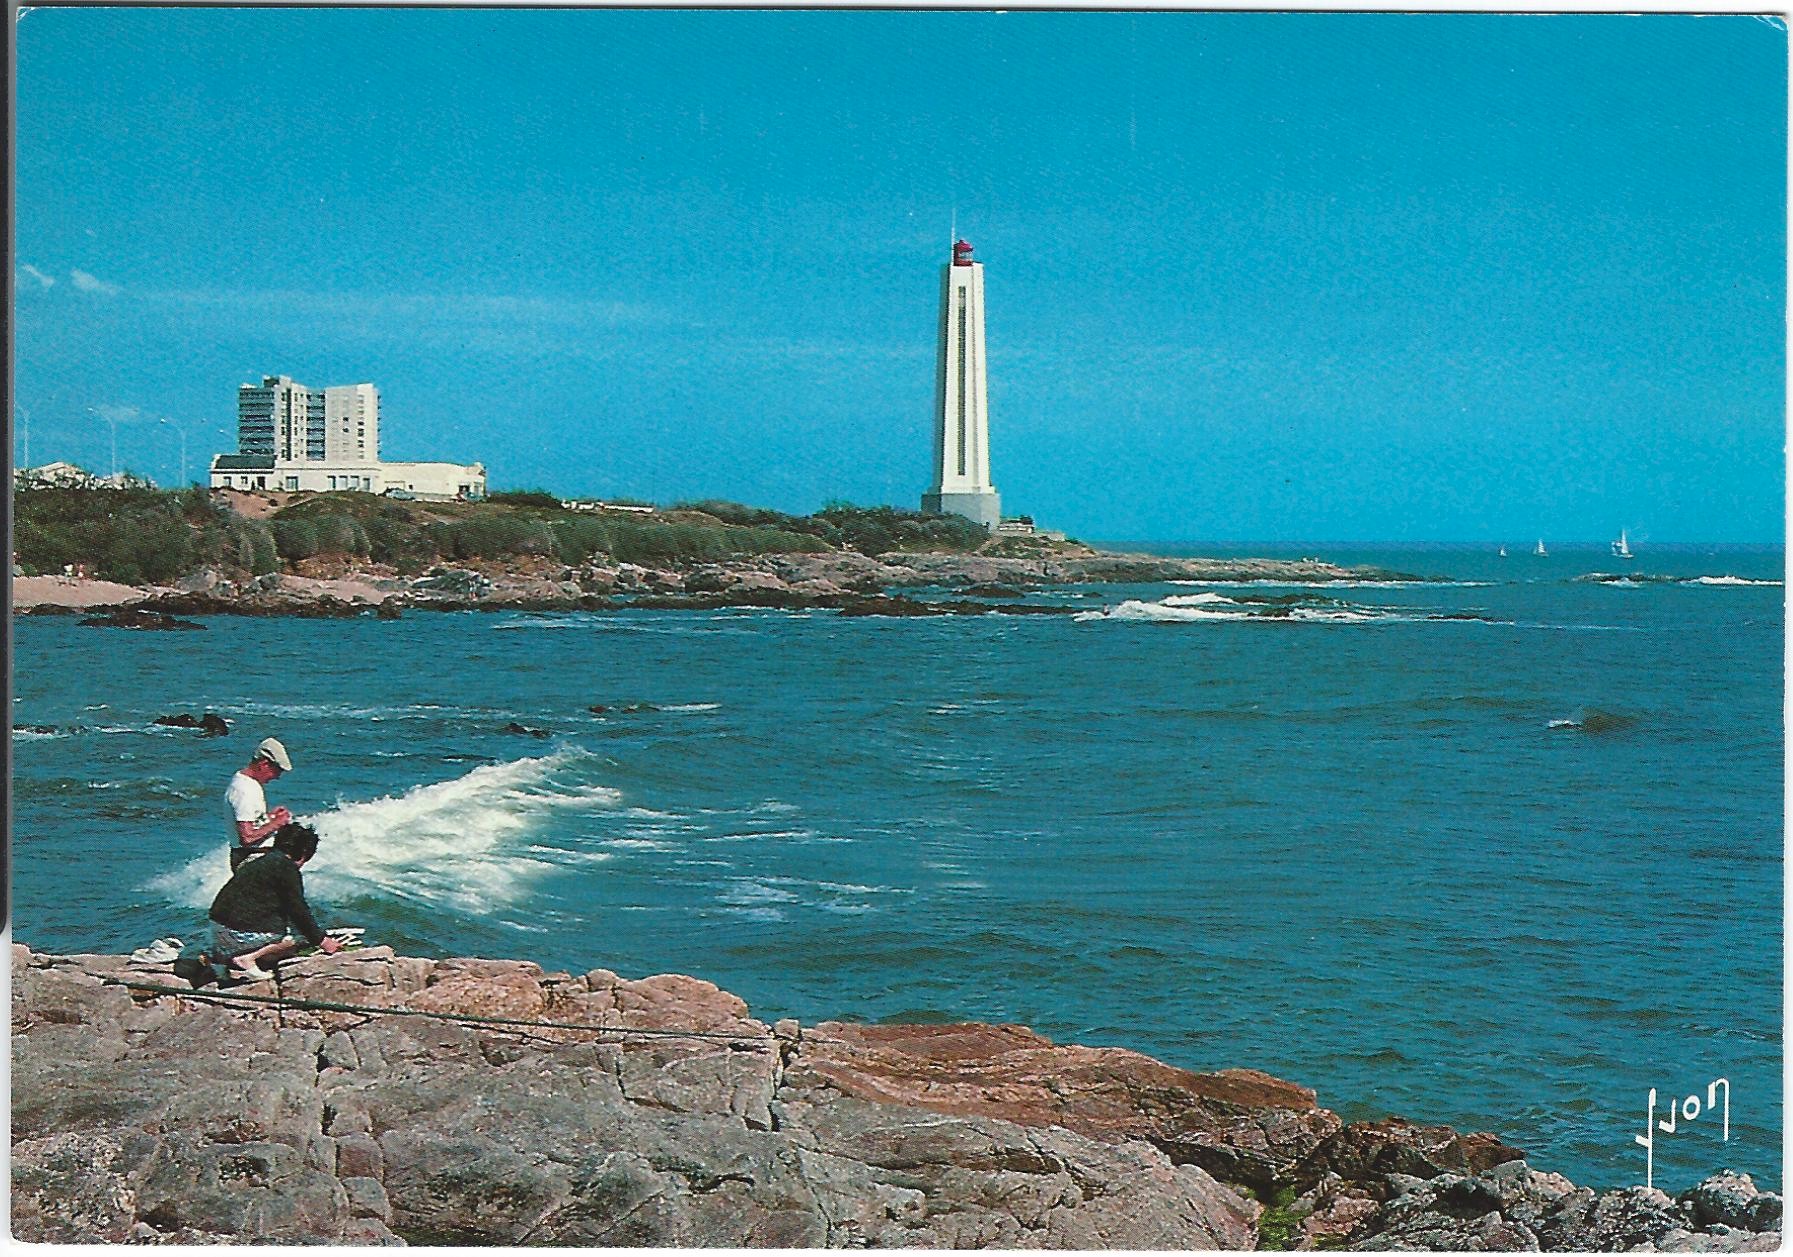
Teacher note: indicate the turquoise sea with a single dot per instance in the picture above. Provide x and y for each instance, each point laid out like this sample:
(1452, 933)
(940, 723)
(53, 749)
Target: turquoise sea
(1503, 849)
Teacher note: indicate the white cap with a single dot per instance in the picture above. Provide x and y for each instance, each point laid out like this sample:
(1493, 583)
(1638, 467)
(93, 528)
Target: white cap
(271, 750)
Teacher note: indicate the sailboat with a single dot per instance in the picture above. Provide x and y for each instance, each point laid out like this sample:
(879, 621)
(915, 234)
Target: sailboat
(1621, 549)
(1503, 552)
(1541, 552)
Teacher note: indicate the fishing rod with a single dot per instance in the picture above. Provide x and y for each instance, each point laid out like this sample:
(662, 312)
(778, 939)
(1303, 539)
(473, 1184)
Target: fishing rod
(331, 1006)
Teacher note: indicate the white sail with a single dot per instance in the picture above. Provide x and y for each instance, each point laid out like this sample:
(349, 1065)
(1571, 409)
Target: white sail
(1541, 552)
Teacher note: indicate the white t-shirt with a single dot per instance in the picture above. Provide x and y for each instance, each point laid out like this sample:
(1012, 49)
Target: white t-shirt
(247, 802)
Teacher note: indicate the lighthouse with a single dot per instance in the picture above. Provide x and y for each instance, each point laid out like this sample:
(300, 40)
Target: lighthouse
(961, 478)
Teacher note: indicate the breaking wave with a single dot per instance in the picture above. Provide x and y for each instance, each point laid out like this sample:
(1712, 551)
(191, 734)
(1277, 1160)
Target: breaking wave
(1206, 608)
(1634, 580)
(470, 844)
(1266, 583)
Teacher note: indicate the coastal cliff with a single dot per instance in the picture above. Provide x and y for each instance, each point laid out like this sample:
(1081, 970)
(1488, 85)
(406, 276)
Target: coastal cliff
(495, 1103)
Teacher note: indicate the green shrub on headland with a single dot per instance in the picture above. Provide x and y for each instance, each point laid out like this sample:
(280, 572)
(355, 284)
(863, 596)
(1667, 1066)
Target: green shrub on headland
(147, 536)
(135, 535)
(867, 529)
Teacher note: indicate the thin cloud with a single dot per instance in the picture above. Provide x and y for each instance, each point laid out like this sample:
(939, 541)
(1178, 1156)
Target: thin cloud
(119, 414)
(435, 310)
(43, 280)
(92, 283)
(587, 328)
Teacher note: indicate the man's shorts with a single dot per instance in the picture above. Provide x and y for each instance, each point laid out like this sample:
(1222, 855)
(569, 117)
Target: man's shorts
(227, 943)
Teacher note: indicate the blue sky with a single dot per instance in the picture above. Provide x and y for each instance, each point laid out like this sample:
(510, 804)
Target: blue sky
(1277, 277)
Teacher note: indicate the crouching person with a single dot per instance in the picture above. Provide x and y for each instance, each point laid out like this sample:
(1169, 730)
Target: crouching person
(262, 907)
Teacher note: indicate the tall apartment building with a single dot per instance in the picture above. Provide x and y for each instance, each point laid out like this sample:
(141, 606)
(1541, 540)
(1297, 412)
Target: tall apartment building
(283, 419)
(280, 418)
(352, 424)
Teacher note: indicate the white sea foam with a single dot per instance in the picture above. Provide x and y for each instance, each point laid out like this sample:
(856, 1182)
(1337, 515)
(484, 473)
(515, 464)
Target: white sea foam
(460, 843)
(1198, 600)
(1134, 609)
(1179, 610)
(37, 735)
(692, 707)
(1730, 580)
(749, 891)
(1264, 583)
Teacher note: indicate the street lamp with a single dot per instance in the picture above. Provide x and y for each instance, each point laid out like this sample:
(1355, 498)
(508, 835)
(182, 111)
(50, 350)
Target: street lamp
(113, 424)
(182, 434)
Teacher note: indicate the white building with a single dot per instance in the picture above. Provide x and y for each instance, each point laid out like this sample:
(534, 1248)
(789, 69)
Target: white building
(961, 484)
(352, 424)
(435, 481)
(298, 439)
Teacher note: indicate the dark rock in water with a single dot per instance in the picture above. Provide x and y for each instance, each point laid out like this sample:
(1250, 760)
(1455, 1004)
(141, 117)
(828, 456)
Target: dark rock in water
(51, 608)
(525, 730)
(387, 611)
(35, 729)
(776, 599)
(600, 709)
(898, 605)
(137, 618)
(992, 591)
(213, 725)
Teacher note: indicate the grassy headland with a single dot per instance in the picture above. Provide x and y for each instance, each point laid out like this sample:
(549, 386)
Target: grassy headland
(147, 536)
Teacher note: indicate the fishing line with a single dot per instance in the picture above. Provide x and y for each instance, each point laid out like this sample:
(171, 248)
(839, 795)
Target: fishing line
(330, 1006)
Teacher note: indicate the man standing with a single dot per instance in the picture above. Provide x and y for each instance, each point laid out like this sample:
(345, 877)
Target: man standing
(256, 914)
(251, 822)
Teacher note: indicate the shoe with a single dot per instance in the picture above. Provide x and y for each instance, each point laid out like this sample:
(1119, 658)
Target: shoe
(249, 973)
(196, 971)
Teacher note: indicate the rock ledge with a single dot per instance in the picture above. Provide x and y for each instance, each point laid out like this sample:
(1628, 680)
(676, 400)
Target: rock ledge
(671, 1116)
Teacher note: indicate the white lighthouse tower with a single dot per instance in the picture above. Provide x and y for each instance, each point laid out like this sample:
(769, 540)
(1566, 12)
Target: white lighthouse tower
(961, 483)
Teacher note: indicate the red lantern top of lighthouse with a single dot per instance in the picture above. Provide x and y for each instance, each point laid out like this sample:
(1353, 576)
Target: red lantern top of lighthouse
(961, 253)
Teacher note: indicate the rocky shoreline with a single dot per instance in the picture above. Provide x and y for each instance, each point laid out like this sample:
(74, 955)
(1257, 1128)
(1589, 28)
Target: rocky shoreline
(851, 583)
(495, 1103)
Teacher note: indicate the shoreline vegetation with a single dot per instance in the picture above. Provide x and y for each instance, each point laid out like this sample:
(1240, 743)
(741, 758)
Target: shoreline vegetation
(163, 554)
(375, 1098)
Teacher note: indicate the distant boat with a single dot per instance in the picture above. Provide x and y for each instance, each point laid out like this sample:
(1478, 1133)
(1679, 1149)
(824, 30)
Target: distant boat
(1503, 552)
(1621, 549)
(1541, 552)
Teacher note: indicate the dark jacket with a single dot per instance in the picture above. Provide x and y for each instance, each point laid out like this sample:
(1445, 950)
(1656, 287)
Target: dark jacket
(266, 895)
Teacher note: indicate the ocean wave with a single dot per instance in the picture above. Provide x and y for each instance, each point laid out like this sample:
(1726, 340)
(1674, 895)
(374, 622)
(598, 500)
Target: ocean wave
(38, 733)
(1265, 583)
(1636, 580)
(1198, 600)
(458, 843)
(1181, 611)
(691, 707)
(561, 620)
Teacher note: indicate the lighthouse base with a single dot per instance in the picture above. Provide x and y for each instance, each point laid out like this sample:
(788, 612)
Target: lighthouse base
(985, 508)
